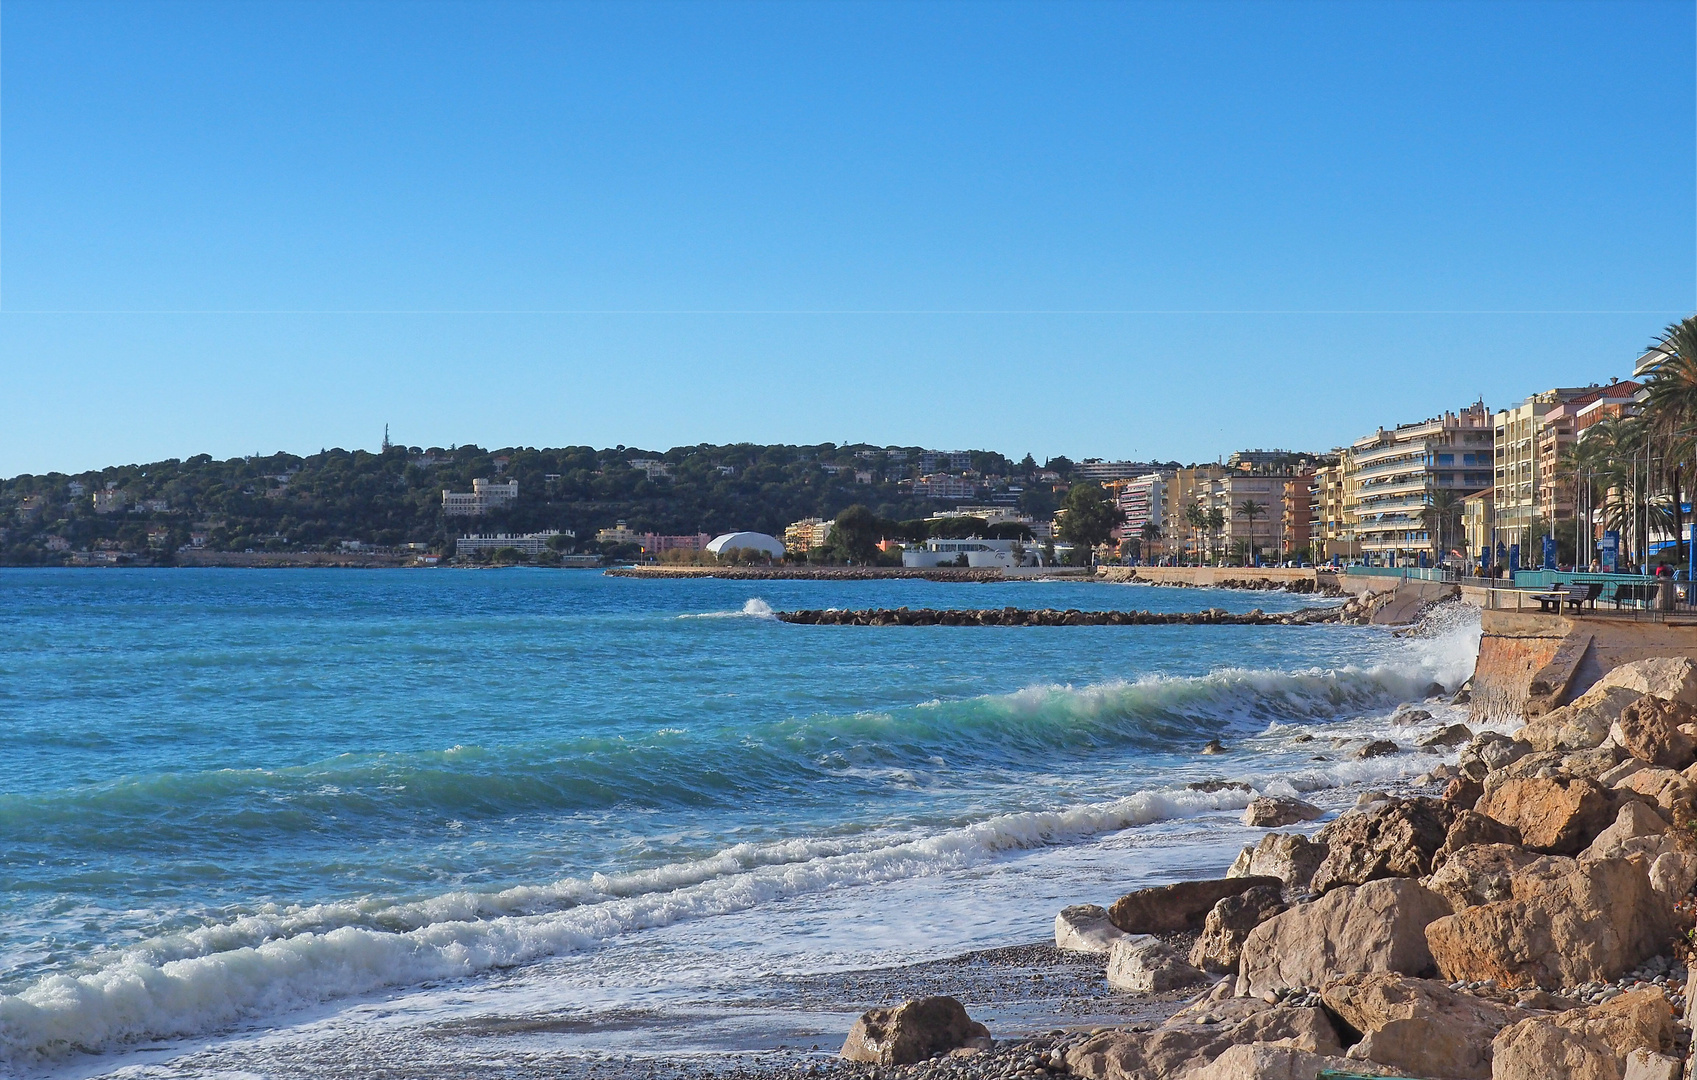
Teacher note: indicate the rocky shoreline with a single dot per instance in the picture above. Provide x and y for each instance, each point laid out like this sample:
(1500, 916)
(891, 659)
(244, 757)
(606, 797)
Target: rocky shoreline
(1534, 921)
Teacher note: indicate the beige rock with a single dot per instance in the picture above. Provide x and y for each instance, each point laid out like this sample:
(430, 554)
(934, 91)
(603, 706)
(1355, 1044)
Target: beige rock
(1584, 1044)
(1267, 812)
(1084, 928)
(1568, 922)
(1672, 793)
(1379, 926)
(1471, 827)
(1419, 1026)
(1389, 838)
(1673, 677)
(1649, 729)
(1290, 857)
(1634, 820)
(1644, 1064)
(1272, 1061)
(912, 1031)
(1582, 723)
(1182, 906)
(1556, 815)
(1672, 875)
(1479, 874)
(1147, 965)
(1228, 925)
(1176, 1047)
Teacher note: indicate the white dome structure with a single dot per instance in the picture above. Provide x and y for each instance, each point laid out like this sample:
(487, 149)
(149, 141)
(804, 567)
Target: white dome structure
(756, 541)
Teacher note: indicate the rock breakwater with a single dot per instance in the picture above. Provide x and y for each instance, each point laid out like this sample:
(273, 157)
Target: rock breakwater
(1348, 612)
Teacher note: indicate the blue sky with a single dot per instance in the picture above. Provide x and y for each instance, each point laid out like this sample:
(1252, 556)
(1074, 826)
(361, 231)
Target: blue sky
(1121, 230)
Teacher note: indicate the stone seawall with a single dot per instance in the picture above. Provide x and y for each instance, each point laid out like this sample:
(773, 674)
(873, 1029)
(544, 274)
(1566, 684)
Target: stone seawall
(1530, 663)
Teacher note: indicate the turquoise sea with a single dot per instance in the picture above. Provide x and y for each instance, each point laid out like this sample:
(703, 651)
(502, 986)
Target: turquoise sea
(240, 801)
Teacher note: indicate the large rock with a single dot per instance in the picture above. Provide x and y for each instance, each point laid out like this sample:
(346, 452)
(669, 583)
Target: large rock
(1644, 1064)
(1582, 723)
(1471, 827)
(1269, 1061)
(1229, 924)
(1084, 928)
(1584, 1044)
(1555, 815)
(1568, 922)
(1635, 822)
(1148, 965)
(1380, 926)
(1267, 812)
(1479, 874)
(1648, 729)
(1290, 857)
(1419, 1026)
(1389, 838)
(1167, 908)
(912, 1031)
(1670, 677)
(1182, 1044)
(1489, 751)
(1673, 794)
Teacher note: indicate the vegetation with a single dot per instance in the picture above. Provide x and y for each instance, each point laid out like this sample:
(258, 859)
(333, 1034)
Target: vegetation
(323, 501)
(1089, 518)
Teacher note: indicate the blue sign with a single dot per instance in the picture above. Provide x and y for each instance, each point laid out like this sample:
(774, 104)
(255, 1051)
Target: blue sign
(1611, 551)
(1514, 558)
(1549, 553)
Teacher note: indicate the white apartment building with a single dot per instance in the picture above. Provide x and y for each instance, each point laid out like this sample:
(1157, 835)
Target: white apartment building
(1144, 499)
(485, 495)
(1392, 475)
(1518, 475)
(944, 486)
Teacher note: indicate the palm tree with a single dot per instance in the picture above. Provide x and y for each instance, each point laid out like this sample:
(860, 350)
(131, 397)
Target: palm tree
(1251, 509)
(1196, 518)
(1150, 534)
(1670, 408)
(1441, 510)
(1216, 522)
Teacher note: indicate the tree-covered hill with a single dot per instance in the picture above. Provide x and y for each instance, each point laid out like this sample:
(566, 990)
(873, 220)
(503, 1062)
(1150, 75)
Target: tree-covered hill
(289, 503)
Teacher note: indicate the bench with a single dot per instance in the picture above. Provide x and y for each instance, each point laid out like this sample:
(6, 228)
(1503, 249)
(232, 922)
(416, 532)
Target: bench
(1580, 595)
(1637, 593)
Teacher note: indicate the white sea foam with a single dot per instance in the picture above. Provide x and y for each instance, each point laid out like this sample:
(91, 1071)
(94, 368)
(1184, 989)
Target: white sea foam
(754, 608)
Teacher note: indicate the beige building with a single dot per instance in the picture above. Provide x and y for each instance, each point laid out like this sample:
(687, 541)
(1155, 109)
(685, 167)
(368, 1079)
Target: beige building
(1330, 534)
(1391, 475)
(803, 536)
(1476, 523)
(485, 495)
(1518, 478)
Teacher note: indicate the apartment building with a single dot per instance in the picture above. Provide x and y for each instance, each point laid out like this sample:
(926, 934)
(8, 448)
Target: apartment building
(1296, 516)
(1391, 475)
(1144, 499)
(1520, 471)
(1330, 534)
(526, 543)
(1191, 487)
(803, 536)
(943, 486)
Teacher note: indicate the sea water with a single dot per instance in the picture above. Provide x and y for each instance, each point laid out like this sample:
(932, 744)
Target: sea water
(238, 801)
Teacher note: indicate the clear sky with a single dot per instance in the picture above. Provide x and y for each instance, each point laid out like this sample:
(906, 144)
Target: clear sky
(1097, 229)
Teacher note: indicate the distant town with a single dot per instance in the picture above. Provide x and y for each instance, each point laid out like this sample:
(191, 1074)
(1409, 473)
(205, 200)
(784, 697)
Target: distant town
(1570, 476)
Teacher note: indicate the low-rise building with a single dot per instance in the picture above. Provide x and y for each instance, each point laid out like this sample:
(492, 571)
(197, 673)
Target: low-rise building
(526, 543)
(653, 468)
(943, 486)
(110, 501)
(977, 552)
(620, 533)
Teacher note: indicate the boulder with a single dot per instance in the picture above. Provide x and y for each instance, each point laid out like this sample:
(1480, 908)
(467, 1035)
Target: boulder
(912, 1031)
(1567, 922)
(1672, 875)
(1674, 795)
(1479, 874)
(1229, 923)
(1582, 723)
(1084, 928)
(1147, 965)
(1377, 748)
(1390, 838)
(1555, 815)
(1182, 1044)
(1671, 677)
(1644, 1064)
(1584, 1044)
(1267, 812)
(1419, 1026)
(1489, 751)
(1290, 857)
(1463, 791)
(1272, 1061)
(1649, 729)
(1471, 827)
(1380, 926)
(1446, 737)
(1183, 906)
(1634, 821)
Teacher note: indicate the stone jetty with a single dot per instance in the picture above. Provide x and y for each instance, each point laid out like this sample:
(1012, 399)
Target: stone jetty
(1009, 616)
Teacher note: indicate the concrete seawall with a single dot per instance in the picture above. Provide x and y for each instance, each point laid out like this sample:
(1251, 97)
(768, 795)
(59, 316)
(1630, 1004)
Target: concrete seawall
(1530, 663)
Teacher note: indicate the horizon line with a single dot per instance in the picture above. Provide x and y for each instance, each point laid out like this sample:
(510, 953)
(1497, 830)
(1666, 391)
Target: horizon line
(833, 311)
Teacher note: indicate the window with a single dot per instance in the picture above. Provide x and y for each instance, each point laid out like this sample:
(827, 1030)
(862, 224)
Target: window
(1448, 459)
